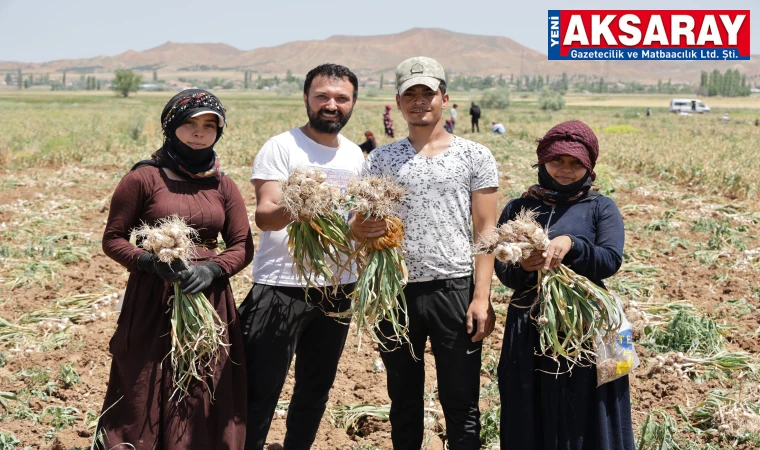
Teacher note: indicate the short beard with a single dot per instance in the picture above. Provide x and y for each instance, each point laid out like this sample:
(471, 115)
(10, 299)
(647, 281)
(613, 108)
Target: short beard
(322, 126)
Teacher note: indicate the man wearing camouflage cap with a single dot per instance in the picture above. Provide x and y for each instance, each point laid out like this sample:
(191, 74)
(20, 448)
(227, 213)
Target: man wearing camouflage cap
(450, 181)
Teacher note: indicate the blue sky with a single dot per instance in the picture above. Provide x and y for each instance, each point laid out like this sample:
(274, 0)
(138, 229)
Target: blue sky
(44, 30)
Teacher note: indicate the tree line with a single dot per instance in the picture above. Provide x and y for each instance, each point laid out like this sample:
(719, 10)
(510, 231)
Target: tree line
(729, 84)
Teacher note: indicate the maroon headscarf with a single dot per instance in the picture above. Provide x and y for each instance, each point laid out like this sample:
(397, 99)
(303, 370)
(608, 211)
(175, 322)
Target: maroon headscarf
(573, 138)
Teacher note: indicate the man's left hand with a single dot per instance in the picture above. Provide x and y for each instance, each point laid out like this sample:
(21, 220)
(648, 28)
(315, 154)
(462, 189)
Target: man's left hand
(480, 314)
(367, 227)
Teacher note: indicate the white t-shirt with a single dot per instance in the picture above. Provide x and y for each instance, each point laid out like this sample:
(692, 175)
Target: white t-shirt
(437, 207)
(453, 114)
(281, 155)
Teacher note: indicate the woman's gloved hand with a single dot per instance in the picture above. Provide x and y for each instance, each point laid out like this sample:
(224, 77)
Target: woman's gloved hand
(199, 277)
(169, 272)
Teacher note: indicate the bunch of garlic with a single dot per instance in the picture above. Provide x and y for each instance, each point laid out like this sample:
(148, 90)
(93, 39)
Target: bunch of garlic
(53, 324)
(306, 194)
(515, 240)
(513, 252)
(675, 362)
(171, 239)
(376, 196)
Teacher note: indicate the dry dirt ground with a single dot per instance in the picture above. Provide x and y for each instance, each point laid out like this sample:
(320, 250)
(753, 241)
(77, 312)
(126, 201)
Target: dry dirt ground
(725, 289)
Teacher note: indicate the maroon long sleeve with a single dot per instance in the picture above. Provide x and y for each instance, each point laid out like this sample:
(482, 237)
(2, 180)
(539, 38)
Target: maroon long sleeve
(146, 195)
(236, 232)
(124, 215)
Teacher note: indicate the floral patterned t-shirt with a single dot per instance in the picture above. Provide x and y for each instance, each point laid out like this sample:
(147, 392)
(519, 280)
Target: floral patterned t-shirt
(436, 209)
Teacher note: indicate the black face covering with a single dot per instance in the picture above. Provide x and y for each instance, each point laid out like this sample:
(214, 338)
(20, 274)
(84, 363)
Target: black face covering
(550, 191)
(194, 160)
(547, 182)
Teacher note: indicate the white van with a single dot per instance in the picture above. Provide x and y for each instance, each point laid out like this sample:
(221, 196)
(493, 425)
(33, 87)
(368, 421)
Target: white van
(690, 105)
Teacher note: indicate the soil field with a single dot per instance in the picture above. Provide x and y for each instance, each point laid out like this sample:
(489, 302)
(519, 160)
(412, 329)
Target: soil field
(692, 221)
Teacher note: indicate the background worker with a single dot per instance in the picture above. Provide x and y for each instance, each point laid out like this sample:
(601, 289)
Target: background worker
(475, 116)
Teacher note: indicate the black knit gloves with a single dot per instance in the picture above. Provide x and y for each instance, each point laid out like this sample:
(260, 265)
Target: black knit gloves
(199, 277)
(191, 279)
(148, 262)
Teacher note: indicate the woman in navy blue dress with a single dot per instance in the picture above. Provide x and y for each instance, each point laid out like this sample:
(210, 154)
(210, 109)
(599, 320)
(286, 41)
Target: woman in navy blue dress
(545, 407)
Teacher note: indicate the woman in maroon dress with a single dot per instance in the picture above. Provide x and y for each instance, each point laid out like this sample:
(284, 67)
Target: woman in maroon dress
(183, 177)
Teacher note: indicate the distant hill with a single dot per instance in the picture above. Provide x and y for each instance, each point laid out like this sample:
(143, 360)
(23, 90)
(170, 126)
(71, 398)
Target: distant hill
(458, 52)
(169, 55)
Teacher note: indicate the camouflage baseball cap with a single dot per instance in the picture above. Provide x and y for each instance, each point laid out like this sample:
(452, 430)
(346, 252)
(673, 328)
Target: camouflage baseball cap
(419, 70)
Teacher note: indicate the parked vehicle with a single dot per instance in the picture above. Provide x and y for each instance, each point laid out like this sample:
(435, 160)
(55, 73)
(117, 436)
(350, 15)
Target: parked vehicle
(691, 105)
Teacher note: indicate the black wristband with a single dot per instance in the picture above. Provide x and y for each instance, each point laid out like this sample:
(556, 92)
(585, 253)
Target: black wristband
(216, 269)
(145, 262)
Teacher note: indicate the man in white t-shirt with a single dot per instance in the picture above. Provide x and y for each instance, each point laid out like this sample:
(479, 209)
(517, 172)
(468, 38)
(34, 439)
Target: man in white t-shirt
(450, 183)
(453, 113)
(280, 317)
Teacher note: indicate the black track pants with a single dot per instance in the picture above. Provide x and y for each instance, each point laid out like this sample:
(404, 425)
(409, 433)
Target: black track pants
(278, 323)
(436, 309)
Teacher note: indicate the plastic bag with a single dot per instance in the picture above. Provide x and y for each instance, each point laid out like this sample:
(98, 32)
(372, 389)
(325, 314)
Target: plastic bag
(616, 356)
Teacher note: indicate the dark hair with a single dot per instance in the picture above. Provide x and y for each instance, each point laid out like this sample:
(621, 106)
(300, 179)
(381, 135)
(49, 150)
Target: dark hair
(442, 87)
(331, 71)
(455, 105)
